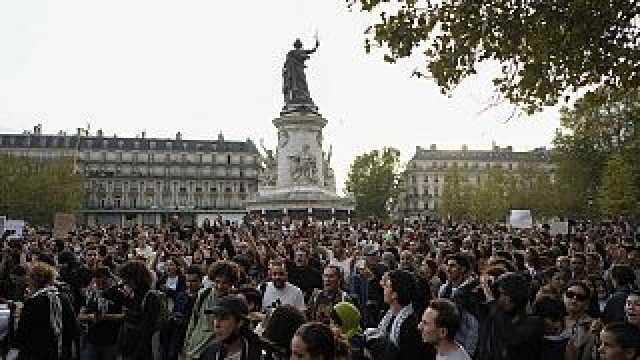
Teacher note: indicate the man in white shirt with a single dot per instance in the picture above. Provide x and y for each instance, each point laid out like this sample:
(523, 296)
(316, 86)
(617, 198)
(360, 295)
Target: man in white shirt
(279, 291)
(439, 325)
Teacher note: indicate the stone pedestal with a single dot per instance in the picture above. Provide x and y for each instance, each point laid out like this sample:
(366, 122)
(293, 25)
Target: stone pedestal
(303, 177)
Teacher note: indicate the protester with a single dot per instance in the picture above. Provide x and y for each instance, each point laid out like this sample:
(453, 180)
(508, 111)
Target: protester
(279, 291)
(439, 325)
(47, 319)
(620, 341)
(518, 293)
(233, 338)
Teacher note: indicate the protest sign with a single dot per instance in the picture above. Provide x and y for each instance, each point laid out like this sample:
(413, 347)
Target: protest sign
(63, 225)
(520, 219)
(14, 227)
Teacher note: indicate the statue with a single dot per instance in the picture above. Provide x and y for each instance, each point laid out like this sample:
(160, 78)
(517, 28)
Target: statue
(294, 81)
(329, 176)
(271, 172)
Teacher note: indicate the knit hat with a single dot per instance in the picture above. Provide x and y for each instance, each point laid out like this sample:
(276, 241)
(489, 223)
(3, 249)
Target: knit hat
(349, 319)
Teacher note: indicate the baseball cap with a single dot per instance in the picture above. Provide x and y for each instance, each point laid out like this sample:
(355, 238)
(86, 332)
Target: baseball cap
(229, 305)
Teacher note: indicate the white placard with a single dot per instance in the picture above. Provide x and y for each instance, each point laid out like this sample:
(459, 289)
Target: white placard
(15, 227)
(520, 219)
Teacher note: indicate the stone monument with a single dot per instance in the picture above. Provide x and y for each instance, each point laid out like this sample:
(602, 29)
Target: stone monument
(298, 181)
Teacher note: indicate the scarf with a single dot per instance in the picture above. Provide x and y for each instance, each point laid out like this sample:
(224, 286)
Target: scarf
(402, 315)
(55, 313)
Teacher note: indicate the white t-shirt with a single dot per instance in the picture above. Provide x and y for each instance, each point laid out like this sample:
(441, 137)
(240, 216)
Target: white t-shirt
(289, 295)
(459, 354)
(344, 265)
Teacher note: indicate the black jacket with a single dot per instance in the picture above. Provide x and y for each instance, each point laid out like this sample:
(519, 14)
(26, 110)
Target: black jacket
(410, 345)
(614, 310)
(35, 338)
(251, 348)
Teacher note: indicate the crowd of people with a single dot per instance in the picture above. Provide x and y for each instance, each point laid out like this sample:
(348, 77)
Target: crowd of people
(318, 290)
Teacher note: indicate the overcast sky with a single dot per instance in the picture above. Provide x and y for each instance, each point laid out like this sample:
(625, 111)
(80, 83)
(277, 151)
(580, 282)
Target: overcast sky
(203, 67)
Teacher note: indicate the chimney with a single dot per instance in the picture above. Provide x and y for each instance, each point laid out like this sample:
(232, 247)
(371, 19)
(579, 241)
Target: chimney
(220, 137)
(465, 147)
(99, 133)
(144, 134)
(433, 147)
(509, 148)
(37, 130)
(178, 135)
(494, 146)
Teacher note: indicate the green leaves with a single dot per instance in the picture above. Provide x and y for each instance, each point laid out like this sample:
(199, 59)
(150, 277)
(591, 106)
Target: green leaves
(618, 194)
(35, 190)
(548, 48)
(601, 126)
(372, 180)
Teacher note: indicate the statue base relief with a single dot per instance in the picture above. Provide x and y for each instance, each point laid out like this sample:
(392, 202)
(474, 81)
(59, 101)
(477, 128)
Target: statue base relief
(304, 180)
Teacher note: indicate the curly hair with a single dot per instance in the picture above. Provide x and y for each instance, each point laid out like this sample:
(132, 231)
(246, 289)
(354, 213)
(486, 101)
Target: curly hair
(136, 273)
(42, 275)
(226, 269)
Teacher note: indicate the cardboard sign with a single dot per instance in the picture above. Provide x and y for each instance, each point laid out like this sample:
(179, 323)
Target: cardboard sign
(520, 219)
(559, 228)
(63, 225)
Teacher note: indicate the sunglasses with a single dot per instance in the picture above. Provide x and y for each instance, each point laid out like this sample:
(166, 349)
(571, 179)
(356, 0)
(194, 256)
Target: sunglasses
(573, 295)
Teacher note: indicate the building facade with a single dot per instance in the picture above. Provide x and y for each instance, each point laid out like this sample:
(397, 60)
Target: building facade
(422, 183)
(148, 180)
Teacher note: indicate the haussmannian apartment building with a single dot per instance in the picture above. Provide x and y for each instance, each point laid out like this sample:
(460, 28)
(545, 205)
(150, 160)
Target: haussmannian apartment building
(148, 180)
(422, 182)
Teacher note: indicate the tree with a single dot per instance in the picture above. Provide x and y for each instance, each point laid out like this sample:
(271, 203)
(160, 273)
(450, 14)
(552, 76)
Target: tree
(372, 180)
(618, 194)
(546, 48)
(455, 201)
(601, 124)
(35, 190)
(489, 202)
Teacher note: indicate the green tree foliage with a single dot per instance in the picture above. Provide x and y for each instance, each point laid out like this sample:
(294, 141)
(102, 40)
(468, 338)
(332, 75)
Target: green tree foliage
(618, 193)
(455, 200)
(601, 124)
(489, 199)
(372, 180)
(545, 47)
(35, 190)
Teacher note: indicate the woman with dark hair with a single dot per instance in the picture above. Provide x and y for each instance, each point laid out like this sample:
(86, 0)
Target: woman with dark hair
(620, 341)
(144, 311)
(317, 341)
(279, 329)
